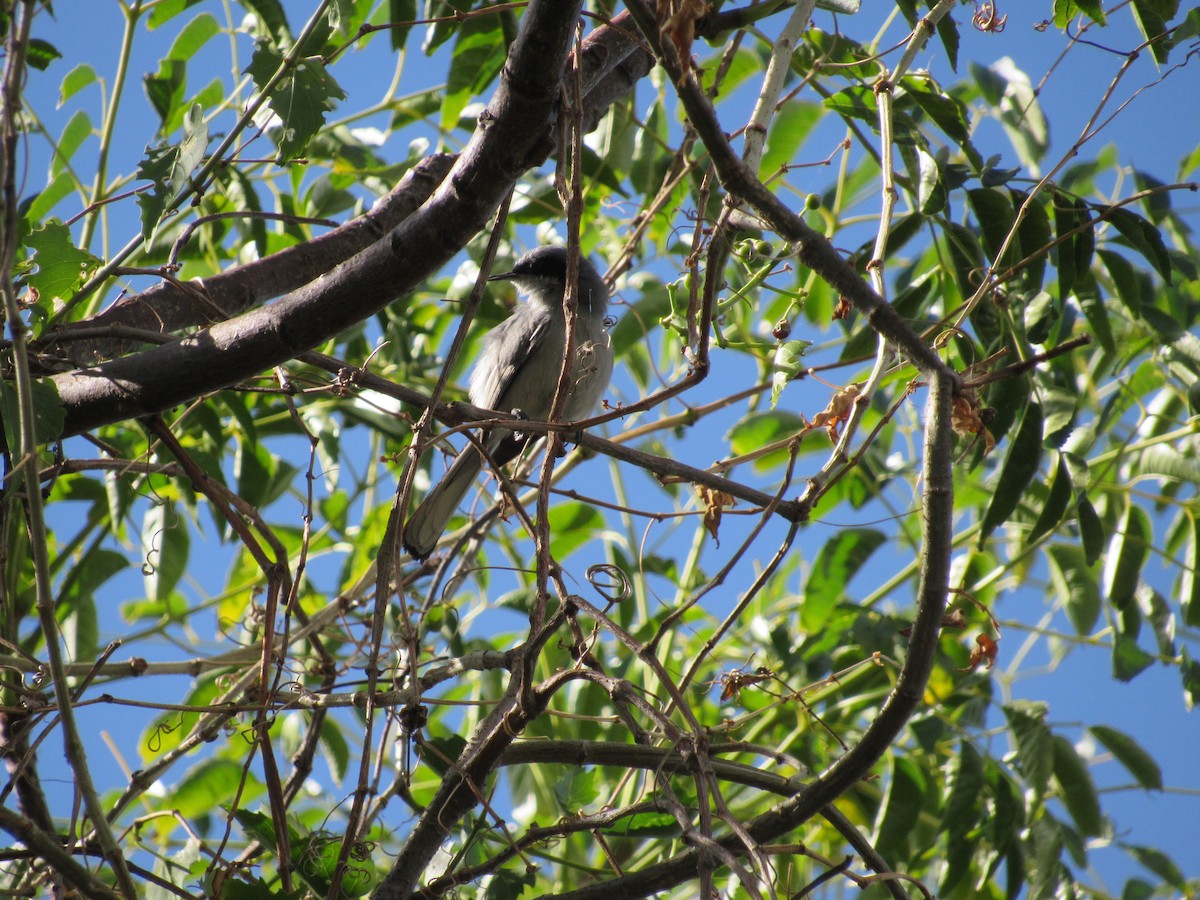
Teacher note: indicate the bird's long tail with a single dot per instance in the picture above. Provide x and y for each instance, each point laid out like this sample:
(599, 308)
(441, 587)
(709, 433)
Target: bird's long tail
(428, 521)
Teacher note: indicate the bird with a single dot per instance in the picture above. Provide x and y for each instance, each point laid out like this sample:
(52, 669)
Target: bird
(518, 370)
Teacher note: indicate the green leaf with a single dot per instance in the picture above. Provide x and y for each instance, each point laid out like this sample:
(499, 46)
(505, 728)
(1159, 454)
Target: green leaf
(1008, 808)
(401, 11)
(927, 175)
(788, 364)
(1034, 233)
(1020, 465)
(1189, 672)
(1158, 613)
(645, 825)
(40, 54)
(1091, 529)
(165, 544)
(1126, 555)
(902, 805)
(1133, 286)
(341, 13)
(1059, 408)
(947, 112)
(996, 217)
(1041, 313)
(176, 870)
(1008, 398)
(947, 29)
(319, 852)
(964, 808)
(1177, 462)
(170, 168)
(576, 790)
(1096, 311)
(61, 266)
(838, 562)
(300, 98)
(256, 824)
(444, 26)
(206, 787)
(758, 430)
(1129, 660)
(1158, 863)
(174, 606)
(574, 525)
(508, 884)
(1066, 10)
(966, 254)
(1076, 788)
(272, 21)
(164, 89)
(1075, 586)
(77, 130)
(1057, 498)
(49, 414)
(650, 160)
(479, 53)
(88, 574)
(845, 7)
(194, 35)
(788, 132)
(1020, 113)
(1075, 250)
(75, 81)
(845, 56)
(1044, 860)
(1129, 753)
(1189, 578)
(443, 752)
(1143, 236)
(167, 731)
(1187, 29)
(855, 102)
(165, 10)
(79, 622)
(1152, 17)
(1035, 746)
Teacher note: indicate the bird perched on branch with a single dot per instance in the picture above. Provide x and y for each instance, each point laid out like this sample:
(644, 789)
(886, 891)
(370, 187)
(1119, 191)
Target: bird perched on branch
(518, 370)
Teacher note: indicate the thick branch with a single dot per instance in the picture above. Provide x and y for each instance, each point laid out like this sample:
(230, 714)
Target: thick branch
(611, 63)
(50, 848)
(670, 760)
(172, 305)
(512, 136)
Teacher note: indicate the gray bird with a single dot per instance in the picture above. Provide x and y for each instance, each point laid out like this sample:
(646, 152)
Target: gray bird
(518, 370)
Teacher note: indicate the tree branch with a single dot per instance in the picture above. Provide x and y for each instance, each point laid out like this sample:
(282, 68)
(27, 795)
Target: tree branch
(611, 62)
(514, 134)
(172, 305)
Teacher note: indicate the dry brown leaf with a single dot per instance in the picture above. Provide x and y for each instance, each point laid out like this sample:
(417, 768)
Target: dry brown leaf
(838, 411)
(714, 501)
(985, 650)
(678, 25)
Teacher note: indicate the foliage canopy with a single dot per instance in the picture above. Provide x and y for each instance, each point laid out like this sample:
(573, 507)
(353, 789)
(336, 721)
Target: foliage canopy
(896, 383)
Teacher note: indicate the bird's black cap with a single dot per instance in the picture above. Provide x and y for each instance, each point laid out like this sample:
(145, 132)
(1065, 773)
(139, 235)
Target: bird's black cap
(548, 262)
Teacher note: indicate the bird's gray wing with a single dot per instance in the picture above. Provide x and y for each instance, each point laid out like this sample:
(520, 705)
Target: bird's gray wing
(511, 371)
